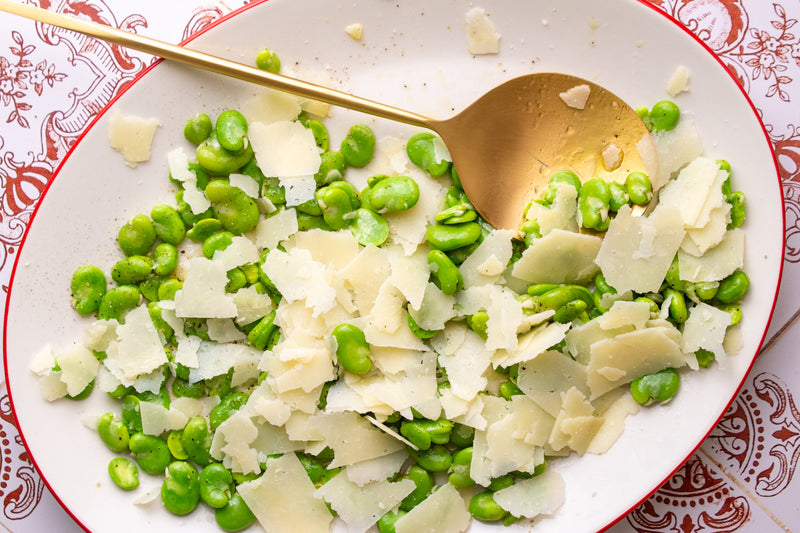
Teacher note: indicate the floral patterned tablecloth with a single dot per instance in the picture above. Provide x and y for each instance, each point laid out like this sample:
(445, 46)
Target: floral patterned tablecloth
(743, 477)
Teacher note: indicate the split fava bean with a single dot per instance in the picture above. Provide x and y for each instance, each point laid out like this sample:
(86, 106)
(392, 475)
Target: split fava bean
(369, 227)
(639, 188)
(88, 285)
(167, 224)
(123, 473)
(235, 516)
(331, 168)
(113, 432)
(117, 301)
(423, 482)
(444, 272)
(152, 453)
(335, 207)
(223, 410)
(203, 229)
(448, 237)
(137, 236)
(358, 146)
(231, 130)
(658, 387)
(259, 336)
(352, 349)
(421, 150)
(180, 491)
(165, 259)
(217, 242)
(217, 161)
(216, 482)
(237, 212)
(593, 204)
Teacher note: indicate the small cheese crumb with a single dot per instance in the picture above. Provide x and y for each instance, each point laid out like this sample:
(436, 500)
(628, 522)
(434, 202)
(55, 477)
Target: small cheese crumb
(355, 30)
(612, 157)
(481, 35)
(132, 136)
(576, 97)
(679, 82)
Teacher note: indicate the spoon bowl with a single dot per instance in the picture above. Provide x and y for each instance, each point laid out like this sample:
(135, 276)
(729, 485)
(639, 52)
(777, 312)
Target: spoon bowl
(504, 146)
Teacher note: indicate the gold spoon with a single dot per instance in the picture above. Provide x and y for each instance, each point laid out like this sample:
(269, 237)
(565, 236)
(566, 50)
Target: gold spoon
(505, 145)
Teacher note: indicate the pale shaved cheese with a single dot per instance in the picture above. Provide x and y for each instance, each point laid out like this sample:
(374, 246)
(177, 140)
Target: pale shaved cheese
(409, 275)
(284, 149)
(466, 365)
(443, 511)
(365, 276)
(355, 30)
(139, 349)
(463, 412)
(675, 148)
(251, 305)
(496, 246)
(562, 214)
(285, 486)
(203, 293)
(51, 387)
(271, 106)
(388, 313)
(131, 136)
(299, 189)
(99, 334)
(505, 318)
(300, 362)
(623, 314)
(576, 97)
(559, 257)
(43, 361)
(216, 359)
(298, 277)
(637, 250)
(635, 354)
(186, 352)
(378, 469)
(547, 377)
(352, 438)
(507, 453)
(540, 495)
(178, 163)
(435, 310)
(156, 419)
(274, 229)
(532, 344)
(361, 506)
(246, 184)
(613, 421)
(78, 368)
(528, 421)
(688, 192)
(240, 251)
(705, 328)
(335, 249)
(699, 240)
(576, 423)
(612, 156)
(678, 82)
(482, 38)
(717, 263)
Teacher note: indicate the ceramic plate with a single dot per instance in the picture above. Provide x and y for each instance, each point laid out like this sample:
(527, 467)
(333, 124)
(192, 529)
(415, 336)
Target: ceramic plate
(413, 55)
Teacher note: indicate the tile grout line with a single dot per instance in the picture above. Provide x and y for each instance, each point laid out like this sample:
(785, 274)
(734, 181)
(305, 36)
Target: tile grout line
(750, 496)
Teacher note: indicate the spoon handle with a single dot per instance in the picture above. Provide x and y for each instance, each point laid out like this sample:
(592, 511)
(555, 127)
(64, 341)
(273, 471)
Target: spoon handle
(214, 64)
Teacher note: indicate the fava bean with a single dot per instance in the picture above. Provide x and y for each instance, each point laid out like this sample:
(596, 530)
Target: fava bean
(394, 193)
(203, 229)
(123, 473)
(352, 349)
(437, 458)
(259, 336)
(113, 432)
(508, 389)
(217, 243)
(117, 301)
(444, 273)
(198, 128)
(235, 516)
(459, 475)
(132, 269)
(448, 237)
(462, 436)
(639, 188)
(268, 60)
(734, 310)
(618, 196)
(196, 440)
(358, 146)
(151, 453)
(231, 130)
(478, 322)
(180, 491)
(593, 204)
(137, 236)
(335, 206)
(167, 224)
(456, 214)
(149, 288)
(387, 521)
(423, 482)
(562, 176)
(320, 134)
(736, 199)
(237, 212)
(500, 483)
(705, 357)
(733, 288)
(224, 409)
(175, 445)
(331, 168)
(483, 507)
(421, 150)
(131, 416)
(168, 288)
(216, 482)
(369, 227)
(418, 331)
(165, 259)
(664, 115)
(677, 305)
(658, 387)
(216, 160)
(88, 285)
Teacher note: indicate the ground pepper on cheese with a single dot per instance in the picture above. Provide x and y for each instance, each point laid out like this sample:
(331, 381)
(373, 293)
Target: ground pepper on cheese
(525, 386)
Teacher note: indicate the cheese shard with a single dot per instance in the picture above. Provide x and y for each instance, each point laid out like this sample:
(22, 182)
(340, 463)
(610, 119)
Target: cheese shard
(637, 251)
(482, 38)
(444, 511)
(139, 349)
(540, 495)
(559, 257)
(679, 82)
(131, 136)
(178, 163)
(705, 328)
(562, 214)
(576, 97)
(717, 263)
(274, 229)
(78, 368)
(285, 486)
(203, 293)
(284, 149)
(361, 506)
(495, 248)
(355, 30)
(675, 148)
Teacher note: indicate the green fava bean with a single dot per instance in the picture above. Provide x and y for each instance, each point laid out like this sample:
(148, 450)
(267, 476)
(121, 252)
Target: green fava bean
(180, 491)
(259, 336)
(444, 272)
(639, 188)
(117, 300)
(175, 445)
(168, 288)
(237, 212)
(677, 305)
(231, 130)
(416, 434)
(151, 453)
(658, 387)
(132, 270)
(203, 229)
(448, 237)
(435, 459)
(418, 331)
(394, 193)
(335, 206)
(167, 224)
(387, 521)
(149, 287)
(421, 150)
(131, 415)
(123, 473)
(664, 115)
(456, 214)
(217, 161)
(562, 176)
(113, 432)
(88, 285)
(217, 242)
(618, 196)
(423, 482)
(235, 516)
(196, 440)
(215, 485)
(268, 60)
(224, 409)
(593, 204)
(198, 128)
(478, 322)
(137, 236)
(358, 146)
(460, 469)
(352, 349)
(165, 259)
(320, 132)
(462, 436)
(508, 389)
(331, 168)
(369, 227)
(483, 507)
(733, 288)
(736, 199)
